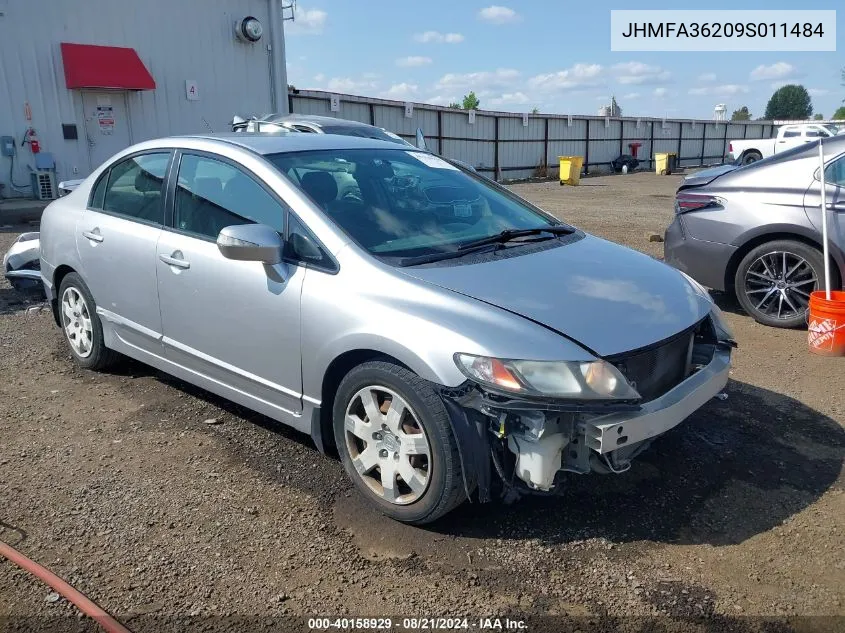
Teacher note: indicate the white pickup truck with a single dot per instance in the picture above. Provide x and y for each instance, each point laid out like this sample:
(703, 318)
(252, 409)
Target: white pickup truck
(747, 151)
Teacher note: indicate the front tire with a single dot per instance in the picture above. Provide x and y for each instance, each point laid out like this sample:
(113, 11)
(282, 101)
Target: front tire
(81, 325)
(396, 442)
(774, 280)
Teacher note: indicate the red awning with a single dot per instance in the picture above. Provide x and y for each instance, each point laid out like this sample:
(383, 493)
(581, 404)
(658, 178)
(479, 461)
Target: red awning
(88, 66)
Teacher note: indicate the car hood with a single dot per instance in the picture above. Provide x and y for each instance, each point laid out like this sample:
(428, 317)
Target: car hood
(606, 297)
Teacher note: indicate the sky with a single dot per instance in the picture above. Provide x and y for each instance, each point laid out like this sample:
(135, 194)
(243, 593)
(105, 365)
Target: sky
(553, 55)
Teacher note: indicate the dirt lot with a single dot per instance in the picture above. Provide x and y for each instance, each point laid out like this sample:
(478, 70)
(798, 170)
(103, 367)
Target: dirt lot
(118, 483)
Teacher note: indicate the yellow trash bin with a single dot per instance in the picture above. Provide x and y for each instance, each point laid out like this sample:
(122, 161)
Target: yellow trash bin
(570, 169)
(665, 163)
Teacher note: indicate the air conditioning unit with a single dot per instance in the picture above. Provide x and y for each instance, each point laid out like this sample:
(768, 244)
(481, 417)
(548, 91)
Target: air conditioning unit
(43, 184)
(43, 177)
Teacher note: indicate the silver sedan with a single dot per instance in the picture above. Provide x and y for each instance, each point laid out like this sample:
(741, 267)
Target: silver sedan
(756, 230)
(444, 336)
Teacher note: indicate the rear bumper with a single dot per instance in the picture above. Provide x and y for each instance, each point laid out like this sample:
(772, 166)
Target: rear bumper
(704, 261)
(619, 430)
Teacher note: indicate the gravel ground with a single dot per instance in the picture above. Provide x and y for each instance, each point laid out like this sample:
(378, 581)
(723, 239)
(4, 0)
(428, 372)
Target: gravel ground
(122, 485)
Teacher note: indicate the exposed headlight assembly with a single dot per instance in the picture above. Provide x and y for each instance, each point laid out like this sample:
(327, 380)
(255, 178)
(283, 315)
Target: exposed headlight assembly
(593, 380)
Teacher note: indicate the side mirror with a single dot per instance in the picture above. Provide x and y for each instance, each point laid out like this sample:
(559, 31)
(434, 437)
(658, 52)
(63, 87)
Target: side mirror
(420, 139)
(250, 243)
(304, 248)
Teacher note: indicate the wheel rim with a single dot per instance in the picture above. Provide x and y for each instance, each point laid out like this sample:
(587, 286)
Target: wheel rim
(76, 321)
(778, 284)
(388, 445)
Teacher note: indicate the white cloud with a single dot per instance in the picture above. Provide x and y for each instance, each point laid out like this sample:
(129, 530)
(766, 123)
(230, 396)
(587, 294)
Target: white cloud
(413, 61)
(400, 92)
(443, 99)
(779, 70)
(637, 73)
(511, 98)
(480, 81)
(818, 92)
(660, 92)
(307, 22)
(349, 85)
(436, 37)
(707, 77)
(634, 95)
(498, 15)
(578, 76)
(320, 78)
(725, 90)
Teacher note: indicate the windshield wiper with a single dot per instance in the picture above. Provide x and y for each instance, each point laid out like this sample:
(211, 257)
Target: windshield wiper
(509, 235)
(436, 257)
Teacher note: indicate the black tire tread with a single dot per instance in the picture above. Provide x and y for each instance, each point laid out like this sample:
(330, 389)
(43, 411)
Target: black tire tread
(453, 493)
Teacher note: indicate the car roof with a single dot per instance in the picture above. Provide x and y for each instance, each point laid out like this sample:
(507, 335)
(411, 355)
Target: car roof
(293, 142)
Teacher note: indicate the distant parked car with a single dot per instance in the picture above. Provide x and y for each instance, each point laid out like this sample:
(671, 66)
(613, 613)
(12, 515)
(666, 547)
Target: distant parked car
(748, 151)
(433, 326)
(756, 231)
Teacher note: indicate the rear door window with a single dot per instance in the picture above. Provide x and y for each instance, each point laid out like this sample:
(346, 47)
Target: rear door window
(135, 187)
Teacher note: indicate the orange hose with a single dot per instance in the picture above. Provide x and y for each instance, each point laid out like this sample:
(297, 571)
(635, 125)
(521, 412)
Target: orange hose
(85, 605)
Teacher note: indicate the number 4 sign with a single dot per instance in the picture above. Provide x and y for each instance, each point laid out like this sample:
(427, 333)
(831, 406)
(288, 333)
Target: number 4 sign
(191, 90)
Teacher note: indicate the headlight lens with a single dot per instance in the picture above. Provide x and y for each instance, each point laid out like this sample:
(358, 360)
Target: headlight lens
(593, 380)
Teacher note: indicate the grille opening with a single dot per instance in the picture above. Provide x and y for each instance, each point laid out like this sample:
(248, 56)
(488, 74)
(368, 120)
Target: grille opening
(663, 366)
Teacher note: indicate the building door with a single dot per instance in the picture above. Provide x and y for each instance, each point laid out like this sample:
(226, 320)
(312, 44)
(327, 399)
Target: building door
(106, 125)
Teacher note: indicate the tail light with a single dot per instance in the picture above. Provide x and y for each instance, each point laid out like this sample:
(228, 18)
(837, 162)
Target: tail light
(685, 202)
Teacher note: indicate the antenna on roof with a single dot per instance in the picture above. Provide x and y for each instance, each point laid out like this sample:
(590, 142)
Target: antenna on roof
(207, 125)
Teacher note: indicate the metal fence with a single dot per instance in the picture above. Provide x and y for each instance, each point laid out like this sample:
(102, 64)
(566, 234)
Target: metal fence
(508, 146)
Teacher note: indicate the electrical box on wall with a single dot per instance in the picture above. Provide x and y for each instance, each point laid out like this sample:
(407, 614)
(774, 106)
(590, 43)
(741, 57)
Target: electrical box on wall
(7, 146)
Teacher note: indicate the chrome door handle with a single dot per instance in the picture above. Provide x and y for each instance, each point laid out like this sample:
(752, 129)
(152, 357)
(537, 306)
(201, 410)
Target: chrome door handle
(836, 206)
(175, 261)
(94, 235)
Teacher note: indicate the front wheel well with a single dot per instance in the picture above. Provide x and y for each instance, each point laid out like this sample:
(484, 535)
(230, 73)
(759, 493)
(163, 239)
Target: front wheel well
(742, 251)
(335, 372)
(58, 275)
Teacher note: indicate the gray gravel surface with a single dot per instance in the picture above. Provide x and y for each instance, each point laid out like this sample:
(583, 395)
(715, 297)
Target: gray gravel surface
(120, 484)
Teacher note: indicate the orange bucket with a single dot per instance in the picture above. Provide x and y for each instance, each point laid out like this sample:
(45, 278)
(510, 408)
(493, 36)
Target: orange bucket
(826, 323)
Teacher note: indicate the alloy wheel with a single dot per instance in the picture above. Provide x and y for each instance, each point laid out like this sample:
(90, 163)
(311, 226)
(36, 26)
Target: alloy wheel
(76, 321)
(778, 284)
(388, 445)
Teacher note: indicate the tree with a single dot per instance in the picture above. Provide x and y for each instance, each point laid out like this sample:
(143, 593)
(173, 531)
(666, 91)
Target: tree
(741, 115)
(535, 110)
(471, 102)
(790, 102)
(839, 115)
(818, 116)
(456, 106)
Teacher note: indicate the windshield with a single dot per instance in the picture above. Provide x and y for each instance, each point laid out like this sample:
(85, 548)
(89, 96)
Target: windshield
(405, 203)
(831, 128)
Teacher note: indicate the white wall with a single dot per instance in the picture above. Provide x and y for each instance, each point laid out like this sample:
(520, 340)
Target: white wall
(176, 39)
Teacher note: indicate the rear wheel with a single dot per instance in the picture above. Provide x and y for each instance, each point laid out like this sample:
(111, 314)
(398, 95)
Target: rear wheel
(81, 325)
(773, 282)
(396, 443)
(751, 157)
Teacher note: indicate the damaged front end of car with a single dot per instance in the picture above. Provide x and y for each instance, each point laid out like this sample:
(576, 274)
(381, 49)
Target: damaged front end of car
(526, 423)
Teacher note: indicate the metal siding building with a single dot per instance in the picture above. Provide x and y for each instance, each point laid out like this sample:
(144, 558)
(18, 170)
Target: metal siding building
(178, 41)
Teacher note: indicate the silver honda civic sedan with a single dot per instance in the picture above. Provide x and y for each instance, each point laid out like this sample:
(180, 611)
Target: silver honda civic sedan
(447, 338)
